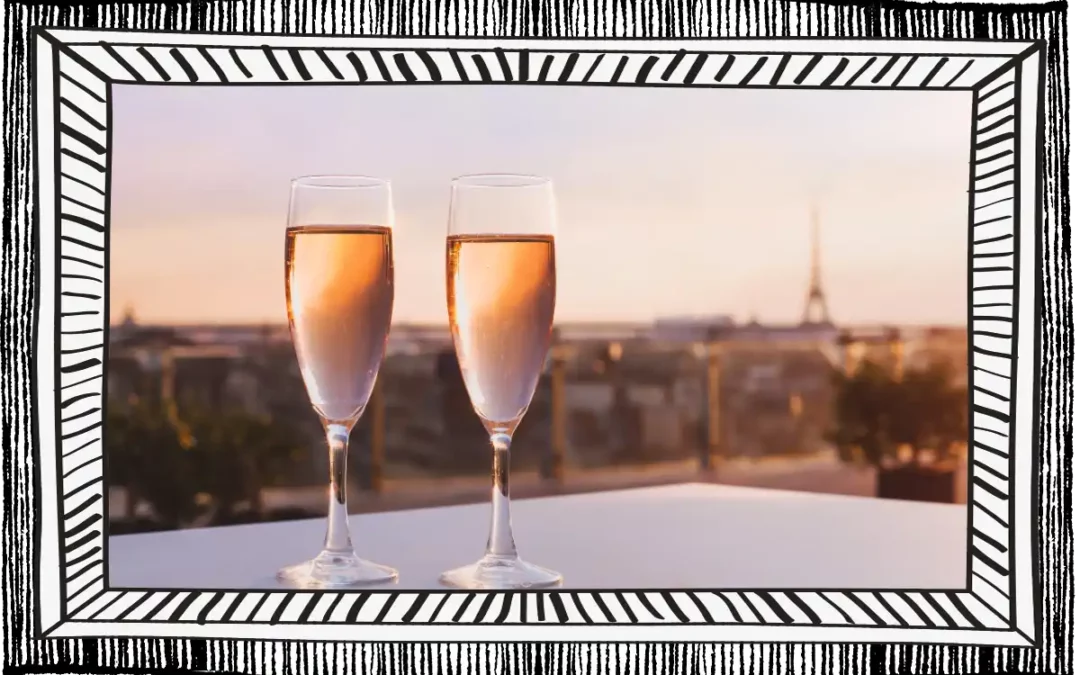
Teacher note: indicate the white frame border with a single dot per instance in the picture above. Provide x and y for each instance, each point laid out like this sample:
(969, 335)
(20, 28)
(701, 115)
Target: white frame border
(995, 608)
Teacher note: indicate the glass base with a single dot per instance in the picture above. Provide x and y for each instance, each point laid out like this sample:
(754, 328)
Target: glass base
(494, 572)
(336, 570)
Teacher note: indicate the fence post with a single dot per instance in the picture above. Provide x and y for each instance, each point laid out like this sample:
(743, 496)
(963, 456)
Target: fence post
(167, 391)
(377, 406)
(714, 446)
(554, 468)
(896, 353)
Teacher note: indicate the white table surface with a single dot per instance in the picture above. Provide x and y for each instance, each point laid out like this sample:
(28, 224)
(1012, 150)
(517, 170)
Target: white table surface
(678, 536)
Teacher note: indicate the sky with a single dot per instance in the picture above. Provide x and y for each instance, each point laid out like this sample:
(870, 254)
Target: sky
(671, 202)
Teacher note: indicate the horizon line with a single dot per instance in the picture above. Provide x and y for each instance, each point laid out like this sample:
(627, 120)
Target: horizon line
(627, 322)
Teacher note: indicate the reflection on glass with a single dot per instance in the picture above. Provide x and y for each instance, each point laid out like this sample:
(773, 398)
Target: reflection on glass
(500, 288)
(339, 288)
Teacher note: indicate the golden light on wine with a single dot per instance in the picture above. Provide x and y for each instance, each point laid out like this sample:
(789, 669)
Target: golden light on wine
(501, 301)
(340, 295)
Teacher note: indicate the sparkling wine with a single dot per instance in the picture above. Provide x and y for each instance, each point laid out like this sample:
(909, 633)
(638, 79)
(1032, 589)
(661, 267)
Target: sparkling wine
(339, 286)
(501, 299)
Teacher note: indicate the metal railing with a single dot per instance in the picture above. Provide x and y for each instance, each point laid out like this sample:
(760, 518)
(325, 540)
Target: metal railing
(712, 357)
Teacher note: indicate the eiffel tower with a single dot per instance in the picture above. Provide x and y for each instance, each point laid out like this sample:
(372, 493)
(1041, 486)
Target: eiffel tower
(815, 311)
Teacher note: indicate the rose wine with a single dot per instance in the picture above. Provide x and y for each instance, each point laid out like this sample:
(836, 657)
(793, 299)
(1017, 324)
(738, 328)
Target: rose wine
(501, 299)
(339, 287)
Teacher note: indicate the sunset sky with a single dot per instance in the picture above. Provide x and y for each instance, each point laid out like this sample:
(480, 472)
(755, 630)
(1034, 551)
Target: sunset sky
(671, 201)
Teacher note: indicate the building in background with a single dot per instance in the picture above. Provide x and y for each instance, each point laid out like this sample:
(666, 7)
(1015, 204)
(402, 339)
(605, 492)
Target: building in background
(943, 343)
(692, 329)
(631, 392)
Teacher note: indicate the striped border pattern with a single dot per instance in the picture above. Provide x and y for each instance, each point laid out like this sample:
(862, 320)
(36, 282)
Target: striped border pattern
(82, 208)
(83, 81)
(944, 609)
(161, 64)
(993, 282)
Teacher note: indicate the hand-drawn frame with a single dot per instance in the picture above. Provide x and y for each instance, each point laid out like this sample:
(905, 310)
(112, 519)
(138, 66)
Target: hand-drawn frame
(74, 78)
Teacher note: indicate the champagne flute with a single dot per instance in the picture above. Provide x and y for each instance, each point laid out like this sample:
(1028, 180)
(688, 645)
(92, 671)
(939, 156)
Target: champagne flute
(339, 288)
(500, 294)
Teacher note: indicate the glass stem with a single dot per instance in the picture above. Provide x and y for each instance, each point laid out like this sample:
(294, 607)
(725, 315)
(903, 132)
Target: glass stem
(501, 538)
(337, 528)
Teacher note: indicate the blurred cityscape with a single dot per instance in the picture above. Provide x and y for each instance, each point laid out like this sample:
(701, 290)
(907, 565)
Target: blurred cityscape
(211, 424)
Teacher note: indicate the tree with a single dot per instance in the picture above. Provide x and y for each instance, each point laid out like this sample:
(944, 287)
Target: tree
(176, 460)
(877, 413)
(149, 457)
(862, 411)
(238, 454)
(930, 411)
